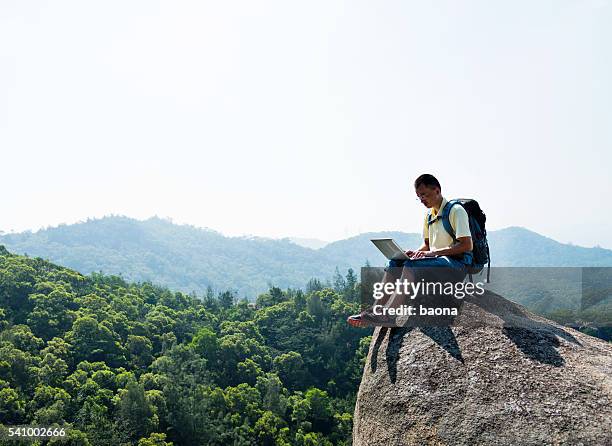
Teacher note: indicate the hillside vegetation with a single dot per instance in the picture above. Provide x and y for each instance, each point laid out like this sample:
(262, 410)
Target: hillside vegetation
(139, 364)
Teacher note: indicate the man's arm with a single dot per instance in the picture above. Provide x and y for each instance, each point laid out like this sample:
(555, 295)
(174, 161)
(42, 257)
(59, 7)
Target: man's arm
(463, 244)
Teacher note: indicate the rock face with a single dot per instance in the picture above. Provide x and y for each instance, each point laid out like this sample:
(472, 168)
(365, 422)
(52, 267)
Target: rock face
(499, 376)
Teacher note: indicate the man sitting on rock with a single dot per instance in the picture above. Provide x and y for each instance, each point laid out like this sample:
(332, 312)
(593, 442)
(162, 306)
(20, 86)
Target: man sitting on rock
(437, 250)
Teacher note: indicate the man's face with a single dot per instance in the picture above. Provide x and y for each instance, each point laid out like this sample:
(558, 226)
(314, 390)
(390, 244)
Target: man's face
(428, 195)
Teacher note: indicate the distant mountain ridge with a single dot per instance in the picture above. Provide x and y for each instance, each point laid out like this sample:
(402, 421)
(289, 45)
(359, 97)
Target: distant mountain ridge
(312, 243)
(188, 258)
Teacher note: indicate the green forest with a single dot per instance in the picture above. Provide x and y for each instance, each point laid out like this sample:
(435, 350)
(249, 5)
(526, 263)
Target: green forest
(138, 364)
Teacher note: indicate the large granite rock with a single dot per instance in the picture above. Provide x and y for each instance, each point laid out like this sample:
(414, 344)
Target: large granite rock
(499, 376)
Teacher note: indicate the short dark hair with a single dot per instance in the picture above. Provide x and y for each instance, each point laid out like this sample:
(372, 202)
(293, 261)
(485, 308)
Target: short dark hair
(427, 180)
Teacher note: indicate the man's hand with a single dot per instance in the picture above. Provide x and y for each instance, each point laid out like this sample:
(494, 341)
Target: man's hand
(421, 254)
(410, 253)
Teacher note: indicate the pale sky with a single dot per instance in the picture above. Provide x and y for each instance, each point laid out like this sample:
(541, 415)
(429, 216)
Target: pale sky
(307, 119)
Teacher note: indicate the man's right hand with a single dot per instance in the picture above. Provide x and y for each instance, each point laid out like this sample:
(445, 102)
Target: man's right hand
(410, 253)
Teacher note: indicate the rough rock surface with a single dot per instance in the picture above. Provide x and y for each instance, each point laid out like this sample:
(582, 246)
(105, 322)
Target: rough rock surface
(499, 376)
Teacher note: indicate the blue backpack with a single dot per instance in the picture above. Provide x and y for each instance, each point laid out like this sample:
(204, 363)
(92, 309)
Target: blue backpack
(477, 218)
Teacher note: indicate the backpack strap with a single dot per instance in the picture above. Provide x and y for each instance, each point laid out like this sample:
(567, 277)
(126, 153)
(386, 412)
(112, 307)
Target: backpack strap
(444, 215)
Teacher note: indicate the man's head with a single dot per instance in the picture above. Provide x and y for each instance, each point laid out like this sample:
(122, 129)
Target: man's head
(428, 190)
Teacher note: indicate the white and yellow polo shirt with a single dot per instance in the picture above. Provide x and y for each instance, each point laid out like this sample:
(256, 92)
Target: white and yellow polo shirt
(437, 235)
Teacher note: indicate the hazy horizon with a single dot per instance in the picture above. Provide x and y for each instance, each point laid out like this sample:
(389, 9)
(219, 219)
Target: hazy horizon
(307, 120)
(288, 236)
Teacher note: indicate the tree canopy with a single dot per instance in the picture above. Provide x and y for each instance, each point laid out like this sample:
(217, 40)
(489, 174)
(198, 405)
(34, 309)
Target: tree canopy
(139, 364)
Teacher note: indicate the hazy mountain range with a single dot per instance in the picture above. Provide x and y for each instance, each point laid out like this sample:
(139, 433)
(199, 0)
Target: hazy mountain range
(187, 258)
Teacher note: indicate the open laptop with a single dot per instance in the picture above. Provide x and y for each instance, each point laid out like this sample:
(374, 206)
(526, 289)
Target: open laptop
(389, 248)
